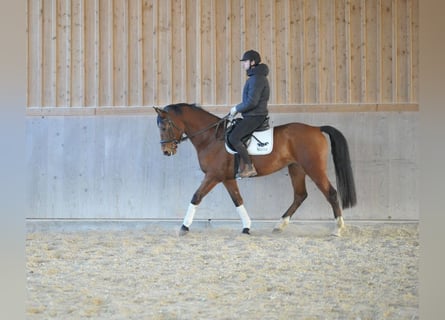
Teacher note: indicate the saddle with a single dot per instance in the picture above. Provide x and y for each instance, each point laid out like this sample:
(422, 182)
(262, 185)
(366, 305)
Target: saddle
(259, 142)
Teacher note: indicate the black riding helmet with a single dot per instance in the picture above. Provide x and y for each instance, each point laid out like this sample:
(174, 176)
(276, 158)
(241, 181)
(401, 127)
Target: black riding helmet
(251, 55)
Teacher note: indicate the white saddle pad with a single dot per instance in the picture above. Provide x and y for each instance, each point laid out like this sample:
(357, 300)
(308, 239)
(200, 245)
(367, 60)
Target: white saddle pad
(260, 143)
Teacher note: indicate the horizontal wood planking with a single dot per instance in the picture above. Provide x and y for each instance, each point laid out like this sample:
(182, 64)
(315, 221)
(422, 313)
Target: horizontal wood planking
(108, 56)
(223, 109)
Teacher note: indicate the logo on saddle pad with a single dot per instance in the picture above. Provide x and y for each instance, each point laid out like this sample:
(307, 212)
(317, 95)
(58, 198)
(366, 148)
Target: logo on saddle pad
(259, 143)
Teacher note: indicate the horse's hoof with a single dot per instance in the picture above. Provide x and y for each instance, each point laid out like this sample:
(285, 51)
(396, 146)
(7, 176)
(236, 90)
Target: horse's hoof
(337, 232)
(246, 231)
(277, 230)
(184, 230)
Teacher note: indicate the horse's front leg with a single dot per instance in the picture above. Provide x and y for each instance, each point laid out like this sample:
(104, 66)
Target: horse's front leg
(206, 185)
(232, 188)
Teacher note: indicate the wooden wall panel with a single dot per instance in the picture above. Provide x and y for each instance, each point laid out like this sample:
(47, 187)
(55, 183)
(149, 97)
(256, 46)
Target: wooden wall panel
(207, 58)
(387, 56)
(91, 52)
(149, 47)
(251, 26)
(326, 47)
(106, 53)
(310, 54)
(63, 63)
(341, 52)
(236, 75)
(178, 52)
(193, 53)
(402, 31)
(371, 41)
(222, 51)
(296, 49)
(108, 56)
(34, 68)
(414, 47)
(356, 45)
(268, 39)
(164, 52)
(49, 46)
(135, 53)
(77, 50)
(279, 58)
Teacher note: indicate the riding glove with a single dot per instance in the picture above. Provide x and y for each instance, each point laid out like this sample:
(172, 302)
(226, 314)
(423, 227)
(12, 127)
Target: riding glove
(233, 112)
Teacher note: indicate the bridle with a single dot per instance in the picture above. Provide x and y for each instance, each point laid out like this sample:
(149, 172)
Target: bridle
(170, 126)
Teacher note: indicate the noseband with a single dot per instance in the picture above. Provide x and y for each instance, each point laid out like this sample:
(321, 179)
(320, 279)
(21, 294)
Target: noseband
(171, 125)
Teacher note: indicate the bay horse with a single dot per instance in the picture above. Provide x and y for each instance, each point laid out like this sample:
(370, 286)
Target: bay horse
(300, 147)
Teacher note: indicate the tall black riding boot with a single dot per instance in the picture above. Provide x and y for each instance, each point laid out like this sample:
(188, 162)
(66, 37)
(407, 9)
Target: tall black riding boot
(249, 169)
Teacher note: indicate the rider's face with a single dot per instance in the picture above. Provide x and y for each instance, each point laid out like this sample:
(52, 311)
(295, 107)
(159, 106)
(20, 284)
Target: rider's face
(246, 64)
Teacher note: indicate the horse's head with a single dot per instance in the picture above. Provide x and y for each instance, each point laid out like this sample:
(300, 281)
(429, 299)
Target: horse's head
(170, 132)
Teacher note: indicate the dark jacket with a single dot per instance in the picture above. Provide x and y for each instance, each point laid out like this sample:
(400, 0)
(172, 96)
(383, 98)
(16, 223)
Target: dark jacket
(256, 92)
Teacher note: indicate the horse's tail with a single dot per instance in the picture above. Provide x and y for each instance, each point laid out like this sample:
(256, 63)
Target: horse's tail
(342, 164)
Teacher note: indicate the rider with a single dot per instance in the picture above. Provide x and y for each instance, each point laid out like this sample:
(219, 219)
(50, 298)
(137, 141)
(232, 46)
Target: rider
(253, 107)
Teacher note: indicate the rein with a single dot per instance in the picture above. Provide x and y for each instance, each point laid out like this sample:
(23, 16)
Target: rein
(185, 137)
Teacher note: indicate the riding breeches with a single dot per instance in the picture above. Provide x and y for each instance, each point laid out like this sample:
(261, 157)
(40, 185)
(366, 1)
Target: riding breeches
(245, 127)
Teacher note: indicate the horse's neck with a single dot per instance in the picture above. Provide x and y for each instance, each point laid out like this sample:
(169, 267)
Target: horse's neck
(199, 128)
(198, 121)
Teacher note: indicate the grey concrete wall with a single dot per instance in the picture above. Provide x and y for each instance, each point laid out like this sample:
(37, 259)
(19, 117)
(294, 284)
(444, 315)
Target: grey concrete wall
(112, 167)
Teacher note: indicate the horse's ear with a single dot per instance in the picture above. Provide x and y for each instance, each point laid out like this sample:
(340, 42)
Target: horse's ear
(158, 111)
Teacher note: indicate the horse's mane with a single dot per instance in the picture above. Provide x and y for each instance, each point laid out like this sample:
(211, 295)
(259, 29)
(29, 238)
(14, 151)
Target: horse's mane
(178, 107)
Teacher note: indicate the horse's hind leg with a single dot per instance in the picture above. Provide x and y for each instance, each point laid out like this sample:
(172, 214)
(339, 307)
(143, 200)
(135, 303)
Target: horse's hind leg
(330, 193)
(297, 176)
